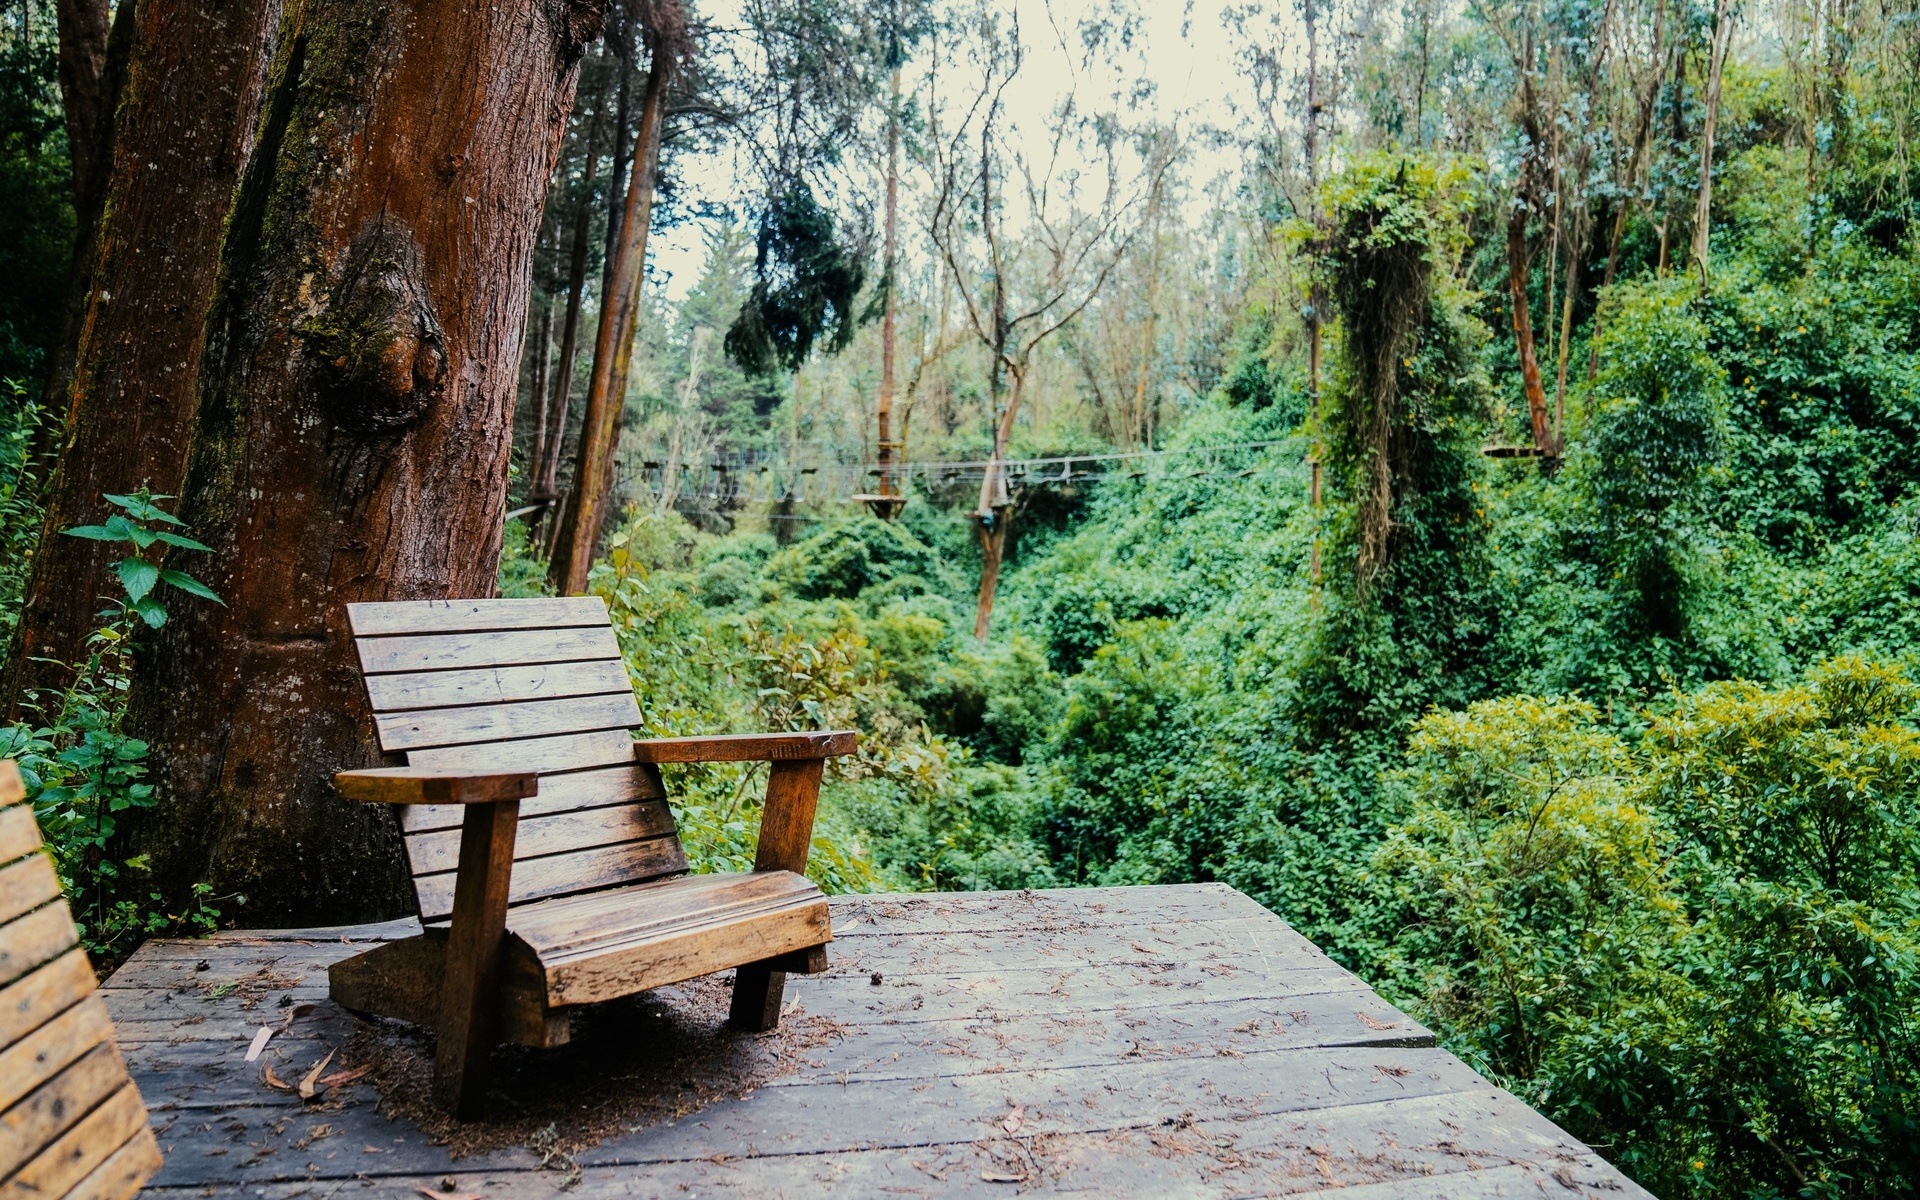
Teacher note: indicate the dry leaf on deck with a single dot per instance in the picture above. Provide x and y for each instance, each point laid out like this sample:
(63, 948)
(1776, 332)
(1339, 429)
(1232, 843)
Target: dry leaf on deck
(259, 1042)
(1002, 1177)
(430, 1194)
(1015, 1119)
(313, 1077)
(1371, 1023)
(341, 1078)
(274, 1081)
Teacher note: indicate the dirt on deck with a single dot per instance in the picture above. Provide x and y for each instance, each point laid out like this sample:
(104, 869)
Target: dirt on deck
(632, 1063)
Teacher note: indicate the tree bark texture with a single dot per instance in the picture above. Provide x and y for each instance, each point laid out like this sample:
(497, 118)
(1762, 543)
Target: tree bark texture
(183, 134)
(1536, 393)
(1526, 200)
(83, 26)
(353, 429)
(612, 349)
(546, 479)
(93, 70)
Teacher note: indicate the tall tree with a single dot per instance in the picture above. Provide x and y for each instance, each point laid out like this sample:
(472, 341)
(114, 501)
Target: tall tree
(1522, 41)
(1019, 292)
(666, 37)
(1716, 66)
(194, 76)
(352, 434)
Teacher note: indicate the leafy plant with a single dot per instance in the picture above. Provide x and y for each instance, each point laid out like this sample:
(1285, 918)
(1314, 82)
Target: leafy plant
(142, 525)
(82, 768)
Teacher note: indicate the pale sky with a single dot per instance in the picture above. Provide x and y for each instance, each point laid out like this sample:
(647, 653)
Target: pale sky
(1186, 52)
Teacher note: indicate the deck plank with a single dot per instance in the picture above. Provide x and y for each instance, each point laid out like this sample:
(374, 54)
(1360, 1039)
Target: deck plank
(1167, 1041)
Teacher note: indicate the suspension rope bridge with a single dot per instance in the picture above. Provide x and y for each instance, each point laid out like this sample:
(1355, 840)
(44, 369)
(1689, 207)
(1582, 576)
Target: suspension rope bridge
(749, 478)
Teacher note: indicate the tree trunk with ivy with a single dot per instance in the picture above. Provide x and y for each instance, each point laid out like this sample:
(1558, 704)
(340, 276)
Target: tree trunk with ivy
(354, 420)
(183, 132)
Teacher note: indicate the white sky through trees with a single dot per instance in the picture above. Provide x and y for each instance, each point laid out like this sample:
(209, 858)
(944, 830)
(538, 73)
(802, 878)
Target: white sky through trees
(1182, 67)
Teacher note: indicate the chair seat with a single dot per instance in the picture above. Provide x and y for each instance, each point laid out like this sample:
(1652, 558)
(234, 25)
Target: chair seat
(604, 945)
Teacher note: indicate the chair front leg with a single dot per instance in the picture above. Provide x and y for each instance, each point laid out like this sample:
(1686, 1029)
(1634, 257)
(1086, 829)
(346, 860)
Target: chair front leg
(470, 990)
(786, 835)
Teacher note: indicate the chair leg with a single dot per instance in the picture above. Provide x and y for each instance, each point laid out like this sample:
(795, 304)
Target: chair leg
(757, 992)
(470, 986)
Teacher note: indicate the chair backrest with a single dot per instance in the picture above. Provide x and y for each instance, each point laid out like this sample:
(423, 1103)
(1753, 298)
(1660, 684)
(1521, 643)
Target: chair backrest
(73, 1121)
(508, 685)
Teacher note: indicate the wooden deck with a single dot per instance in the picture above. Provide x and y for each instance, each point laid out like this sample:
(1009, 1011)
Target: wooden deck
(1165, 1041)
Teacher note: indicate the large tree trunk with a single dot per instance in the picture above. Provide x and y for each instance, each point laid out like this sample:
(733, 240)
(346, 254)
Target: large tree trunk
(355, 418)
(612, 349)
(184, 131)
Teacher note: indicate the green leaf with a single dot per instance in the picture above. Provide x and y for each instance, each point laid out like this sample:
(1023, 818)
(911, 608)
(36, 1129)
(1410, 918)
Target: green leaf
(95, 533)
(185, 543)
(191, 586)
(150, 611)
(137, 575)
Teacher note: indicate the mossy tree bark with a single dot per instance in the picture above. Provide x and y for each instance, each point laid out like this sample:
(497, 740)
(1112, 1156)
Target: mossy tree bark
(354, 419)
(125, 400)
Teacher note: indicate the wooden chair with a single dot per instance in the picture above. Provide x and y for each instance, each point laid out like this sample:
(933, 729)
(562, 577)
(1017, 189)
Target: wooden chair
(544, 856)
(71, 1121)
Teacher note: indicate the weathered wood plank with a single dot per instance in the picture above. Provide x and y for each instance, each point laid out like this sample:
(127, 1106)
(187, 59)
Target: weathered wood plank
(623, 968)
(18, 834)
(942, 913)
(12, 790)
(46, 1051)
(452, 616)
(40, 936)
(566, 752)
(74, 1156)
(584, 829)
(414, 785)
(27, 884)
(537, 879)
(473, 957)
(497, 685)
(578, 926)
(449, 651)
(746, 747)
(120, 1177)
(56, 1105)
(28, 1003)
(419, 728)
(559, 793)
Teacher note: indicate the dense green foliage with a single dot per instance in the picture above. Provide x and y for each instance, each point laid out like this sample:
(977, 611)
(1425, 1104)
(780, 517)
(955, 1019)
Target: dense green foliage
(1500, 760)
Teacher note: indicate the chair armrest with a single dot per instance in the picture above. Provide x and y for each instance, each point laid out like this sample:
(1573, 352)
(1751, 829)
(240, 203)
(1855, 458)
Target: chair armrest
(747, 747)
(423, 785)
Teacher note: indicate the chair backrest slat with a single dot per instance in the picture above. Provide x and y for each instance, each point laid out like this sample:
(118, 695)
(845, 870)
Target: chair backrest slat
(512, 647)
(497, 685)
(483, 685)
(425, 728)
